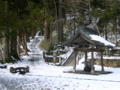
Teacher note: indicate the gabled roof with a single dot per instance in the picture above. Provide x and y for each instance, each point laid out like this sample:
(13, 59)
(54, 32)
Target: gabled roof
(87, 36)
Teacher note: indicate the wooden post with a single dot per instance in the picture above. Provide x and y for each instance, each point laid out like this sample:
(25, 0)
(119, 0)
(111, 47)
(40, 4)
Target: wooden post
(74, 67)
(60, 60)
(54, 57)
(102, 65)
(92, 63)
(85, 58)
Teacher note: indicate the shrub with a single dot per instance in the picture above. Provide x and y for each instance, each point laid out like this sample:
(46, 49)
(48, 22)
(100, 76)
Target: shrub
(108, 62)
(45, 45)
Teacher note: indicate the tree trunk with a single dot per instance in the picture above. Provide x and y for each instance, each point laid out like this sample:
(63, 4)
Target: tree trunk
(106, 33)
(56, 15)
(47, 30)
(18, 45)
(24, 43)
(6, 55)
(60, 22)
(115, 30)
(14, 45)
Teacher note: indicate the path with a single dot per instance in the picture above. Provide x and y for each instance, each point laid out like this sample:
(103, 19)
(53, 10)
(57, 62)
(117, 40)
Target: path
(35, 53)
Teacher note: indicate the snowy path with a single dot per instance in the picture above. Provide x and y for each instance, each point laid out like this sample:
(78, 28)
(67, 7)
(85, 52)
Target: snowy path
(35, 54)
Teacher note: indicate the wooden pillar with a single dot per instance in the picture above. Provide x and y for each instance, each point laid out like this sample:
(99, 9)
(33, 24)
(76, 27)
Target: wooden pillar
(85, 58)
(60, 60)
(54, 57)
(74, 67)
(92, 62)
(102, 65)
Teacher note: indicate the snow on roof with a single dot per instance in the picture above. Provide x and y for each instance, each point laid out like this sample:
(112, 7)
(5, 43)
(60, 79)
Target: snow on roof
(102, 40)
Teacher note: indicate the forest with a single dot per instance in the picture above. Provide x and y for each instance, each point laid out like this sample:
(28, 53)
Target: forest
(55, 20)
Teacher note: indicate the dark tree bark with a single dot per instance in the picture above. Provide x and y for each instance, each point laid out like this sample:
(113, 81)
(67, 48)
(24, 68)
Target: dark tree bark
(6, 55)
(24, 42)
(106, 33)
(115, 30)
(60, 22)
(14, 45)
(47, 30)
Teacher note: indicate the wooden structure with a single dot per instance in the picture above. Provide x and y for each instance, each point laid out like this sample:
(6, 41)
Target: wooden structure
(21, 70)
(92, 50)
(3, 66)
(83, 41)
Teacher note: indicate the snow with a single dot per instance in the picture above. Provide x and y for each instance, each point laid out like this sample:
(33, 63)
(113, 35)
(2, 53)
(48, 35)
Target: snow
(66, 55)
(48, 77)
(102, 40)
(111, 57)
(43, 76)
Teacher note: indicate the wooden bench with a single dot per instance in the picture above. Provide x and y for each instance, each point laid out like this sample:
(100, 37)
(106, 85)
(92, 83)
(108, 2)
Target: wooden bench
(21, 70)
(3, 66)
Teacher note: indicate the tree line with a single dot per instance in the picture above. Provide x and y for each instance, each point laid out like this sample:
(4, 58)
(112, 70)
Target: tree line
(21, 19)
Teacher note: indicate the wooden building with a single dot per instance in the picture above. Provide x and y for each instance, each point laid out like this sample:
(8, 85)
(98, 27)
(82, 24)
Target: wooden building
(88, 40)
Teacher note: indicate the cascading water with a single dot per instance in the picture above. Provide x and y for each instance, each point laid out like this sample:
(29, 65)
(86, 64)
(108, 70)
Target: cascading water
(35, 53)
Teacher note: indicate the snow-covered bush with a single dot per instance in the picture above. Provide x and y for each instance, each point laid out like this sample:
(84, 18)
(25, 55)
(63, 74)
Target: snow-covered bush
(45, 45)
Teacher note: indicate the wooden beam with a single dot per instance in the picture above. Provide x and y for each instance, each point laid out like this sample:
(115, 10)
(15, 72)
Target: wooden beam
(89, 49)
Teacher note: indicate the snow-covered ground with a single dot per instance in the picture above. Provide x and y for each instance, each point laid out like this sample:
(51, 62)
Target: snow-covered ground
(46, 77)
(49, 77)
